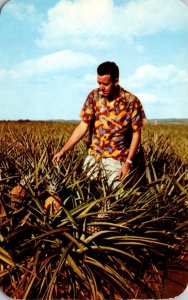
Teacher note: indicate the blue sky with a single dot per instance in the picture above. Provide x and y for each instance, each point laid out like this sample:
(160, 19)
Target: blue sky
(49, 52)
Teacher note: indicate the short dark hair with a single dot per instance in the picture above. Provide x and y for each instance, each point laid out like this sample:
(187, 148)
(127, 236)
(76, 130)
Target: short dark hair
(108, 67)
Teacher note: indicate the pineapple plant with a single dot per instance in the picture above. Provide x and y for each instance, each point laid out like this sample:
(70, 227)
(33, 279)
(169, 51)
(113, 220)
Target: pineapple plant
(53, 202)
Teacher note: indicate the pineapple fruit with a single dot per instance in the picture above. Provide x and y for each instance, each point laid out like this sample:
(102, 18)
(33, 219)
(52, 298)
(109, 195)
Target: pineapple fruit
(54, 200)
(18, 192)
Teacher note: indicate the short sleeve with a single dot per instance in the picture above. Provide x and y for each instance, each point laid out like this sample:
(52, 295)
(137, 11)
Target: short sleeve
(138, 116)
(87, 111)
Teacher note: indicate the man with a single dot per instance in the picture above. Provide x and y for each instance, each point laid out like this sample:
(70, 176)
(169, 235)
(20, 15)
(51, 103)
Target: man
(114, 118)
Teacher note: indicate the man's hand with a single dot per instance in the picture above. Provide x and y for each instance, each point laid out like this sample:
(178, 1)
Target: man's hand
(57, 157)
(124, 170)
(76, 136)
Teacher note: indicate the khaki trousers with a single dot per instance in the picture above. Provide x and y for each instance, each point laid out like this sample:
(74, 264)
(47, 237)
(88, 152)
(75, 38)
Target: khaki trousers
(105, 168)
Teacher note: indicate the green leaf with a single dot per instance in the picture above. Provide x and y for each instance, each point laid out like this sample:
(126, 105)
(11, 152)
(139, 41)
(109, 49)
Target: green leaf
(6, 258)
(75, 267)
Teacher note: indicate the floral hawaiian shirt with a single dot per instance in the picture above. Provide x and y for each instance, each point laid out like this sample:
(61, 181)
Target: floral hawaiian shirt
(112, 123)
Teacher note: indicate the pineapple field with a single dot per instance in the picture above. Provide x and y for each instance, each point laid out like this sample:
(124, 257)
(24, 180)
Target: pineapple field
(57, 240)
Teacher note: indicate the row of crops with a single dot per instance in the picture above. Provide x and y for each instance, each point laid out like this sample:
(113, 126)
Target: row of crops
(57, 240)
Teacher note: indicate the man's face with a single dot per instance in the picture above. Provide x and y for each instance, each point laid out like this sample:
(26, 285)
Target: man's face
(106, 86)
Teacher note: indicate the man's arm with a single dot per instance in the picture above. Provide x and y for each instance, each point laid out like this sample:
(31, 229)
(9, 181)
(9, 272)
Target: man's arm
(76, 136)
(124, 170)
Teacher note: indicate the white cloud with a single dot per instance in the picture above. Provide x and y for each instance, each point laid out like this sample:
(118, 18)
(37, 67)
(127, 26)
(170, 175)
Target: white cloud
(94, 23)
(22, 11)
(162, 90)
(150, 75)
(90, 77)
(78, 22)
(151, 16)
(60, 61)
(147, 98)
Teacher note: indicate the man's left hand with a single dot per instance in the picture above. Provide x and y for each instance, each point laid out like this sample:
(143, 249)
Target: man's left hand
(124, 170)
